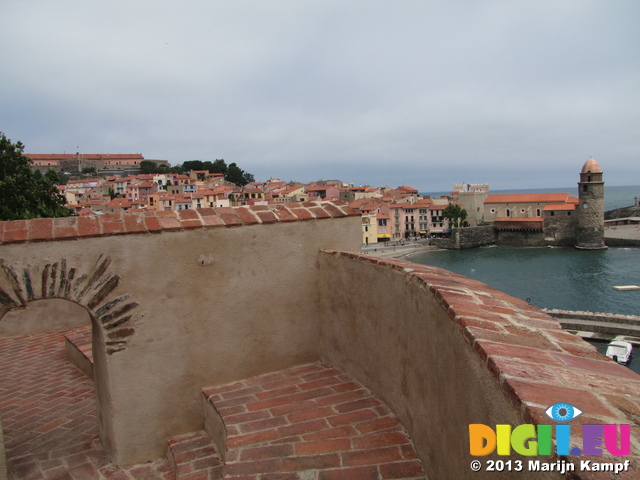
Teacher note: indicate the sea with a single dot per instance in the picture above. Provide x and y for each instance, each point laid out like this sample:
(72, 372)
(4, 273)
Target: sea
(563, 278)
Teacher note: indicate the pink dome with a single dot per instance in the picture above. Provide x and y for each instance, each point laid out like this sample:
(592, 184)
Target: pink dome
(591, 166)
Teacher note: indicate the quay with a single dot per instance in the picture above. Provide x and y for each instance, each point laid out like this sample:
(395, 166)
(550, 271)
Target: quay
(600, 326)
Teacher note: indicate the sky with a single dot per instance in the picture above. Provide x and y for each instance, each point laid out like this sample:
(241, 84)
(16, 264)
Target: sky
(517, 94)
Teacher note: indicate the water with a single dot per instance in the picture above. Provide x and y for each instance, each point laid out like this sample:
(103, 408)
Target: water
(564, 278)
(614, 196)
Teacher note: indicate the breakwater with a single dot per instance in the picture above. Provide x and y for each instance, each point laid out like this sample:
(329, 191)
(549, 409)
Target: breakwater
(604, 323)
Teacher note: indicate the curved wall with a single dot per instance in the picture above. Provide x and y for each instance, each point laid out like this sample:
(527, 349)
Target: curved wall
(444, 351)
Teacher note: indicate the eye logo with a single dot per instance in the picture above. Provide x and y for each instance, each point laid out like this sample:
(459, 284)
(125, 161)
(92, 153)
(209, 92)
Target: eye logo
(563, 412)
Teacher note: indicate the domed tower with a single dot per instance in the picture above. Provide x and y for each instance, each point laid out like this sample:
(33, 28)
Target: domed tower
(590, 225)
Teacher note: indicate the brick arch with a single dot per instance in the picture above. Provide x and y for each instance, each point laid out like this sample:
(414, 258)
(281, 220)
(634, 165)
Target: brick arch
(93, 288)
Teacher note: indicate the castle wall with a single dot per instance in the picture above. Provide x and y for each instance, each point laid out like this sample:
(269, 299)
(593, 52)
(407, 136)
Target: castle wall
(520, 238)
(180, 309)
(181, 301)
(560, 227)
(444, 351)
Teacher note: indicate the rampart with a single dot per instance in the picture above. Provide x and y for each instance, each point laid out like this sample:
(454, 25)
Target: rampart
(467, 237)
(183, 300)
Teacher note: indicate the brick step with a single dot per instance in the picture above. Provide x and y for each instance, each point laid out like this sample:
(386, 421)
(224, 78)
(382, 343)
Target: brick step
(193, 456)
(307, 423)
(78, 349)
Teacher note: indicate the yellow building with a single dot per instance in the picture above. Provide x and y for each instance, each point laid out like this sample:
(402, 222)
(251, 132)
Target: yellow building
(369, 229)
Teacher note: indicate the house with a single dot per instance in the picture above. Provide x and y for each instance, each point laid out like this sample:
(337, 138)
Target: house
(471, 197)
(323, 192)
(289, 194)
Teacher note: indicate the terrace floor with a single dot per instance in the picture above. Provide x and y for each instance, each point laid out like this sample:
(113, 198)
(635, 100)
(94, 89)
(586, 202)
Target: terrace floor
(307, 423)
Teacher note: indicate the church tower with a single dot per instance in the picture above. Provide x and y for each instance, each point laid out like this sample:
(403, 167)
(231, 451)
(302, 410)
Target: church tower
(590, 225)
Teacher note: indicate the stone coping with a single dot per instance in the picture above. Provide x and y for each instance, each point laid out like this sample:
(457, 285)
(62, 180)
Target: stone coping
(535, 361)
(124, 223)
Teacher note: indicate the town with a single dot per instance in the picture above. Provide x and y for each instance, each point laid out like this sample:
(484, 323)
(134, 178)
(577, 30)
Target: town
(389, 215)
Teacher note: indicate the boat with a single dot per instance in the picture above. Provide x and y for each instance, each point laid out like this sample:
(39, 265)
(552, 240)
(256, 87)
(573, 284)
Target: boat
(620, 351)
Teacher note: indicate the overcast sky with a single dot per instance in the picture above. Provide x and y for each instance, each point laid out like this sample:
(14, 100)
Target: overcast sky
(517, 94)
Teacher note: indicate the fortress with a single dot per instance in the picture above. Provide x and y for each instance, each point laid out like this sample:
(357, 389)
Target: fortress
(555, 219)
(225, 327)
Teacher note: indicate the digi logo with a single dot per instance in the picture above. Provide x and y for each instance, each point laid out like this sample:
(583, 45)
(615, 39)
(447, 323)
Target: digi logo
(530, 440)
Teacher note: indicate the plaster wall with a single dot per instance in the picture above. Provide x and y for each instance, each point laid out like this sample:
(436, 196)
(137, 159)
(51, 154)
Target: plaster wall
(214, 305)
(41, 316)
(392, 335)
(3, 459)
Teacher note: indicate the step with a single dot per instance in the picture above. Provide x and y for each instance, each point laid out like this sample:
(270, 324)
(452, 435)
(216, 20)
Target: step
(78, 349)
(307, 423)
(193, 456)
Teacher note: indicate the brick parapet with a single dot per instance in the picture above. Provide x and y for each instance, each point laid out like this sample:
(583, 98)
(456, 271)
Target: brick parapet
(126, 223)
(534, 361)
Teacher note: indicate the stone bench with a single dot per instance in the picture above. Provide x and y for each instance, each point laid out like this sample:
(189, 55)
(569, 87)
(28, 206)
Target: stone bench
(308, 422)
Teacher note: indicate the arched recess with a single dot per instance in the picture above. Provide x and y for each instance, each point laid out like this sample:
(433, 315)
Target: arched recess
(93, 287)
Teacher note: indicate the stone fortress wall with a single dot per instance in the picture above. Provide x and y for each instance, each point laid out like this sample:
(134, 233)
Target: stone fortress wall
(183, 300)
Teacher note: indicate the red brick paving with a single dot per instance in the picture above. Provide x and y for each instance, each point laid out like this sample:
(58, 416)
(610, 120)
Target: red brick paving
(306, 423)
(48, 413)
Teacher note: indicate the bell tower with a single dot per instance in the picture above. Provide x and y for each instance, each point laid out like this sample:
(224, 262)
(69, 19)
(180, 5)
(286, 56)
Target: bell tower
(590, 225)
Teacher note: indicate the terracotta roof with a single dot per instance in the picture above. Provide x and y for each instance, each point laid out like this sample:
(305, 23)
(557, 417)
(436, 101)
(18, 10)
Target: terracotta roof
(87, 156)
(528, 198)
(556, 207)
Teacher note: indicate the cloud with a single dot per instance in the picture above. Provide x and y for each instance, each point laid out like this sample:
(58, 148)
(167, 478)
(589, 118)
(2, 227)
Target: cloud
(370, 92)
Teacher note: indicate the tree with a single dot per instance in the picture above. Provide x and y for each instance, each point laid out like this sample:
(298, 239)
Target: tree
(25, 194)
(232, 173)
(455, 214)
(236, 175)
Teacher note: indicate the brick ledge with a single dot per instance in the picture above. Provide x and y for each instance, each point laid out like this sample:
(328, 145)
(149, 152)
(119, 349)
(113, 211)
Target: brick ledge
(125, 223)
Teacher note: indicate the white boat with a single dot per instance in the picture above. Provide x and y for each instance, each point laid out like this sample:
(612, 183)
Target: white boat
(620, 351)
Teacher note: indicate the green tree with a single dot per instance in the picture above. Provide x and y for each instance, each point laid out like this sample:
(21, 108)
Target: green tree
(236, 175)
(23, 193)
(148, 167)
(455, 214)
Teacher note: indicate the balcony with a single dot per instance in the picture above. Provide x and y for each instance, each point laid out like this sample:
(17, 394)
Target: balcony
(202, 318)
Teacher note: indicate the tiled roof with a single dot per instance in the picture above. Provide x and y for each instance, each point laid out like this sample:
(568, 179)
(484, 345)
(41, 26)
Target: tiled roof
(528, 198)
(556, 207)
